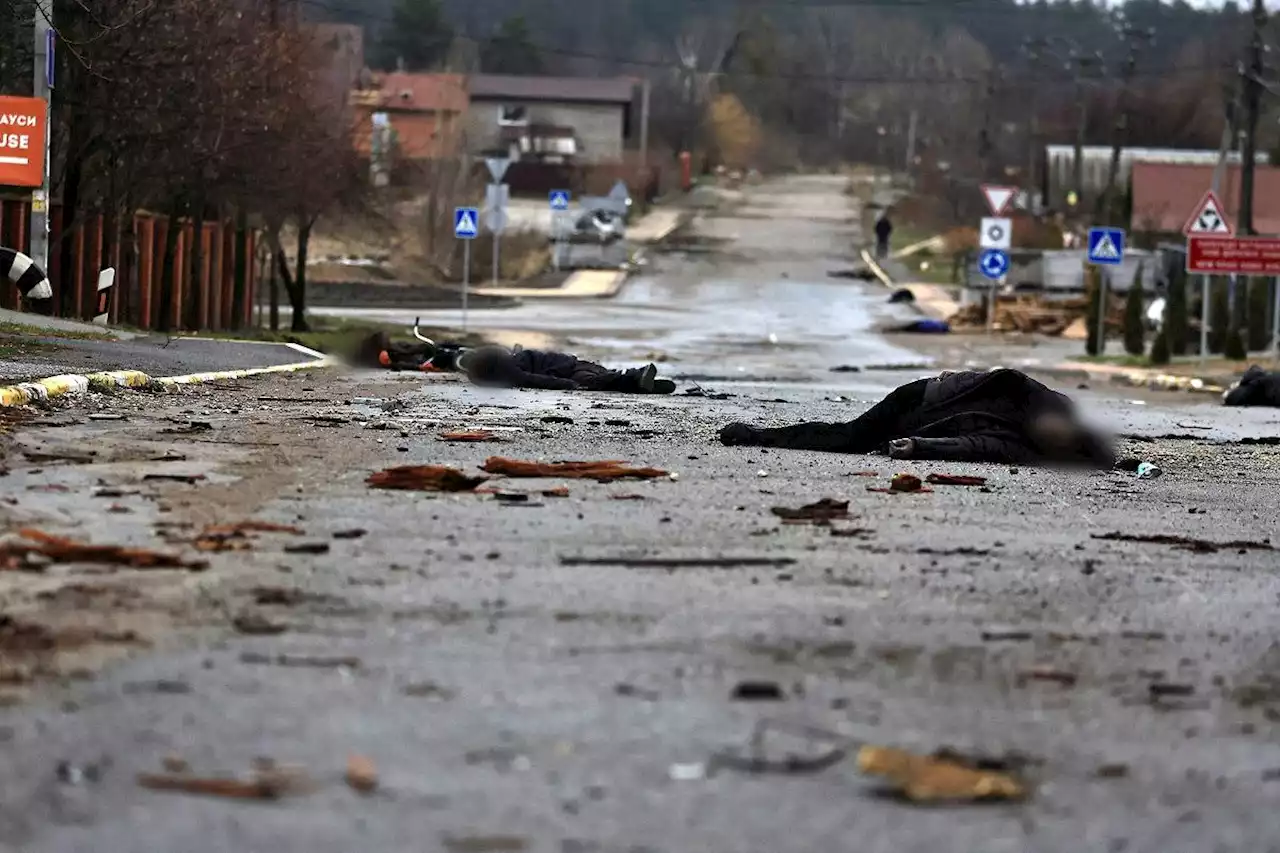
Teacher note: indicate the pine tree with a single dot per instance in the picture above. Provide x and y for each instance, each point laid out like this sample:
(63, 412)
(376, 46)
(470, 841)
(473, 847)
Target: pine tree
(511, 50)
(1259, 314)
(1160, 348)
(1233, 348)
(1093, 284)
(1175, 324)
(418, 37)
(1134, 334)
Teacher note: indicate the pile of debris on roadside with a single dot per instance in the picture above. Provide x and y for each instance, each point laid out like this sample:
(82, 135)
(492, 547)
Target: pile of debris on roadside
(1016, 312)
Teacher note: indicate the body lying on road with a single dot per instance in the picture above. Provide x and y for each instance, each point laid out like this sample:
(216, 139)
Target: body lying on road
(558, 371)
(1256, 388)
(997, 416)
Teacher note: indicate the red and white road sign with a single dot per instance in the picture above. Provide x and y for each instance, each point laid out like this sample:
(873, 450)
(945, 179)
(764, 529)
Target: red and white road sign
(998, 198)
(1208, 218)
(1233, 255)
(22, 135)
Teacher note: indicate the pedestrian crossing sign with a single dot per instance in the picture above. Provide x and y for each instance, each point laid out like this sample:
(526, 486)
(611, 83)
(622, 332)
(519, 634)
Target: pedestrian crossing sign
(1106, 246)
(466, 223)
(1208, 218)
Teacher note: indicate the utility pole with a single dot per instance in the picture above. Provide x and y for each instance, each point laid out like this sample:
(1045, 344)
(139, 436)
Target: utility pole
(985, 146)
(1081, 63)
(1120, 132)
(1252, 98)
(42, 79)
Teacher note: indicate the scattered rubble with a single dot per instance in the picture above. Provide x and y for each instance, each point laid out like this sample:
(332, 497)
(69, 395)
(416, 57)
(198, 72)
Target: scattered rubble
(679, 562)
(823, 512)
(424, 478)
(362, 774)
(955, 480)
(1186, 543)
(266, 783)
(58, 549)
(600, 471)
(939, 778)
(479, 435)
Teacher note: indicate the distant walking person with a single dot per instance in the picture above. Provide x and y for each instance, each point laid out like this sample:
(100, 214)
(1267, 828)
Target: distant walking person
(884, 230)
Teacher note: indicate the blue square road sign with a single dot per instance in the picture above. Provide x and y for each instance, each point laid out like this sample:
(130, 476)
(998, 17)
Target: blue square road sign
(1106, 246)
(559, 199)
(466, 223)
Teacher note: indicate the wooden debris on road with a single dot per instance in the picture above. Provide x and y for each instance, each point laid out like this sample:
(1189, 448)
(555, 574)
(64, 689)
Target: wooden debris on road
(268, 782)
(819, 513)
(62, 550)
(603, 471)
(424, 478)
(478, 435)
(955, 480)
(937, 779)
(235, 537)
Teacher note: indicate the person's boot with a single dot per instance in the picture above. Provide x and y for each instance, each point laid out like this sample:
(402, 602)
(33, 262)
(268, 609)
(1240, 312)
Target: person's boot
(664, 386)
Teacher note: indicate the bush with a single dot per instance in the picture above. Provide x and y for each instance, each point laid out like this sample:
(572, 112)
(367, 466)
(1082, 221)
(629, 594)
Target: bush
(1135, 342)
(1160, 348)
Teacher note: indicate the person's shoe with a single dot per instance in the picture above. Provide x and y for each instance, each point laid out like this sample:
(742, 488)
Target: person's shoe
(737, 434)
(664, 386)
(645, 379)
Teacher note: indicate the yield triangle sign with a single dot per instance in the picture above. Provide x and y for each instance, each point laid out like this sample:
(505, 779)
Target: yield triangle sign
(1208, 218)
(998, 198)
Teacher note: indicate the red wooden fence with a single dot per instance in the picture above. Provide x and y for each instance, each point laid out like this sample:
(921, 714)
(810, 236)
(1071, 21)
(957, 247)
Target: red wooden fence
(206, 296)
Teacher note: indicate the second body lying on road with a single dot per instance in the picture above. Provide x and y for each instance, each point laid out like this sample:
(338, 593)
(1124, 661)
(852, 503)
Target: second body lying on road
(998, 416)
(557, 371)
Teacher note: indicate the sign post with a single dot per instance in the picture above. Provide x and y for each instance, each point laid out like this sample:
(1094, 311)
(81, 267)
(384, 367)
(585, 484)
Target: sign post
(559, 202)
(1106, 249)
(496, 198)
(995, 238)
(1207, 220)
(466, 225)
(43, 80)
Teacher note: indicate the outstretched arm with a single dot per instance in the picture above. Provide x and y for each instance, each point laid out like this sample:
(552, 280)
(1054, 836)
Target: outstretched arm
(833, 438)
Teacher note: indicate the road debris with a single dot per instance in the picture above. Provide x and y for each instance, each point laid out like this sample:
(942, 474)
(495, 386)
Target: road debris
(189, 428)
(1047, 673)
(188, 479)
(314, 661)
(757, 691)
(628, 498)
(955, 480)
(679, 562)
(822, 512)
(479, 435)
(557, 492)
(1162, 689)
(1112, 770)
(1147, 471)
(424, 478)
(635, 692)
(235, 537)
(314, 548)
(601, 471)
(42, 456)
(267, 783)
(687, 772)
(556, 419)
(902, 484)
(257, 625)
(1186, 543)
(362, 774)
(62, 550)
(934, 779)
(352, 533)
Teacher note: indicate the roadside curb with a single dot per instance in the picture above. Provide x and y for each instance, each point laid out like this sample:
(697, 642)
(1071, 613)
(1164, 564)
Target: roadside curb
(581, 284)
(1136, 378)
(74, 384)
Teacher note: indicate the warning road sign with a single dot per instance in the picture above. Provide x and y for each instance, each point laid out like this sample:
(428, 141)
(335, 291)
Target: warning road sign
(1106, 246)
(998, 198)
(1208, 218)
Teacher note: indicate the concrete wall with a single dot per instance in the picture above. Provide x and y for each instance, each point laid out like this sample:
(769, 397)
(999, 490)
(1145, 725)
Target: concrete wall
(599, 127)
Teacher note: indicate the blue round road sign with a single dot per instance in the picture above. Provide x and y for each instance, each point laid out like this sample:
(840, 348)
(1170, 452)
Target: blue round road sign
(994, 263)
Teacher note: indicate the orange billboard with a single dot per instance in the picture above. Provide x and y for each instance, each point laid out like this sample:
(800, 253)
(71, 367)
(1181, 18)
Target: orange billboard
(22, 141)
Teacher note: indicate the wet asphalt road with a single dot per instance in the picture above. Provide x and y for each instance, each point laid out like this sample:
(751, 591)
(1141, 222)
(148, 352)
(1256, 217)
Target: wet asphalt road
(515, 700)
